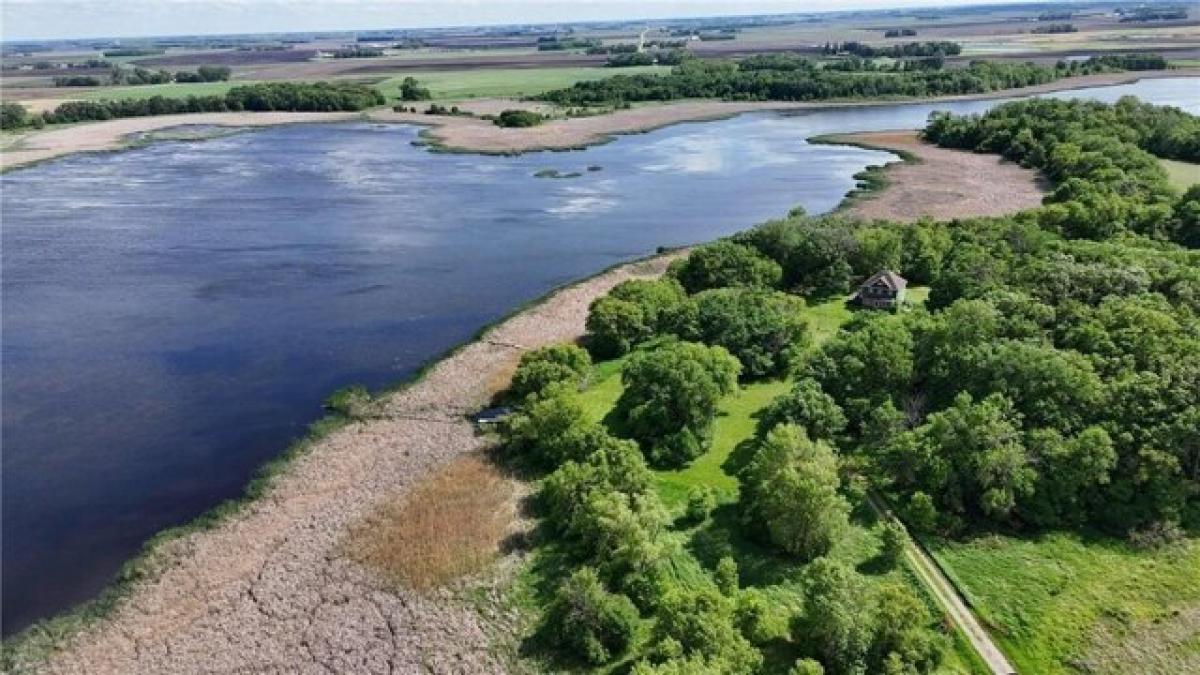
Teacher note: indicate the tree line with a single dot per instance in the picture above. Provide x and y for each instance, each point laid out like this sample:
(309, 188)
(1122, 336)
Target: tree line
(791, 78)
(263, 97)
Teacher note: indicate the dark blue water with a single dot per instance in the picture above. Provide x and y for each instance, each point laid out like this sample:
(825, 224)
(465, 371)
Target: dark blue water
(173, 315)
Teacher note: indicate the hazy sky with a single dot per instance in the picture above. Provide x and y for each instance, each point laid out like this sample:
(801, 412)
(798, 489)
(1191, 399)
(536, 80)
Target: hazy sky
(40, 19)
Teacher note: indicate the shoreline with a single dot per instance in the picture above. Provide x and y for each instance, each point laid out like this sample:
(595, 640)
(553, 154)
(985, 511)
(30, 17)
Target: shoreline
(477, 136)
(252, 568)
(927, 181)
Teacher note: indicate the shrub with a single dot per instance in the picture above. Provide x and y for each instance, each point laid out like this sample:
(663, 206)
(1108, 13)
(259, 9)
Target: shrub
(587, 620)
(921, 513)
(806, 667)
(556, 364)
(353, 402)
(519, 118)
(701, 500)
(893, 538)
(726, 264)
(670, 399)
(726, 576)
(13, 116)
(410, 90)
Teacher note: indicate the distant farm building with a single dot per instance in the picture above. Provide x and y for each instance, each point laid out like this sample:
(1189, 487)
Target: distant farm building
(884, 290)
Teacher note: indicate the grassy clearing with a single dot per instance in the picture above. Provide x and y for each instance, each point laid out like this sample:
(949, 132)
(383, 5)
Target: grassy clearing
(1062, 601)
(1183, 175)
(173, 90)
(465, 84)
(450, 526)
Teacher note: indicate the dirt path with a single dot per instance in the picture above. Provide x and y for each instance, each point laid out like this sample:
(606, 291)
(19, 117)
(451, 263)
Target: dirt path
(948, 598)
(941, 183)
(474, 135)
(272, 590)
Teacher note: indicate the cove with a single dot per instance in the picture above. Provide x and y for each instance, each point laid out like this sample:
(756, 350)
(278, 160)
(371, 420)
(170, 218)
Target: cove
(174, 314)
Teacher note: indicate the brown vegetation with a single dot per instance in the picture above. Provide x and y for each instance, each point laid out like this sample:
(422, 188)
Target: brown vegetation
(451, 525)
(942, 183)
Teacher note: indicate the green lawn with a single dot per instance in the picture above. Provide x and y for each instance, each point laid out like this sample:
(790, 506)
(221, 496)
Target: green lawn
(464, 84)
(1063, 599)
(172, 90)
(1183, 175)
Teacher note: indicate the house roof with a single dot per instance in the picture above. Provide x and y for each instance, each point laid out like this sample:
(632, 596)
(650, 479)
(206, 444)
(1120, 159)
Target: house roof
(888, 278)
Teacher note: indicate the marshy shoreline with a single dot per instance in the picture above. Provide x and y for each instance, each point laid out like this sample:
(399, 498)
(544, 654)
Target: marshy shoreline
(477, 136)
(264, 583)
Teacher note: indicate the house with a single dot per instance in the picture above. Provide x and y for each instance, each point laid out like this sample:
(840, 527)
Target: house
(884, 290)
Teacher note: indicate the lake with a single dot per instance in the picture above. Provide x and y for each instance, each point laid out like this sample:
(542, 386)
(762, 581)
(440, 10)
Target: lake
(174, 315)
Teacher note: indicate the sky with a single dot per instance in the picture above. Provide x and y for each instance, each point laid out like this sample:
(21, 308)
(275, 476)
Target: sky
(54, 19)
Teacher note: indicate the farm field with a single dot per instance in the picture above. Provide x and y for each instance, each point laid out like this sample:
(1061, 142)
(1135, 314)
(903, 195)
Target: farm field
(1183, 175)
(173, 90)
(1061, 600)
(464, 84)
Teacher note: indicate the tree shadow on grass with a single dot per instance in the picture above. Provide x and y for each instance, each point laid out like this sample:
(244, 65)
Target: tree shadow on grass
(725, 535)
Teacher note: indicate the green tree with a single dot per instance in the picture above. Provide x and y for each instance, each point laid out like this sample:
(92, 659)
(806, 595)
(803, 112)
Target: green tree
(545, 366)
(701, 622)
(805, 405)
(765, 330)
(725, 264)
(726, 576)
(837, 617)
(614, 326)
(588, 621)
(670, 399)
(894, 539)
(790, 489)
(411, 90)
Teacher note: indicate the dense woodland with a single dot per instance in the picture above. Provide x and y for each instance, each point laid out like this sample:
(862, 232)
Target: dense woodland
(791, 78)
(1050, 381)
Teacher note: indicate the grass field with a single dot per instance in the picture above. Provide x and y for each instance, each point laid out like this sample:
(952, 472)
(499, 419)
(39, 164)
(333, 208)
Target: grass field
(464, 84)
(759, 566)
(1059, 601)
(1183, 174)
(172, 90)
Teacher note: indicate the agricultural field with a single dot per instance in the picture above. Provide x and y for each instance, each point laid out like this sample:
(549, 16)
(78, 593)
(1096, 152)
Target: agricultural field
(1060, 601)
(172, 90)
(1183, 175)
(511, 83)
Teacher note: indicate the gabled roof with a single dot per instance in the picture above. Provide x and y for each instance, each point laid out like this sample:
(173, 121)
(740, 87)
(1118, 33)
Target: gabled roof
(888, 278)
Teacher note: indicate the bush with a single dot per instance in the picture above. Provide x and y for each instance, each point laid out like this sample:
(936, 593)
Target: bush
(806, 667)
(701, 500)
(519, 118)
(725, 264)
(588, 621)
(556, 364)
(790, 490)
(726, 576)
(670, 399)
(353, 402)
(549, 429)
(893, 538)
(410, 90)
(13, 116)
